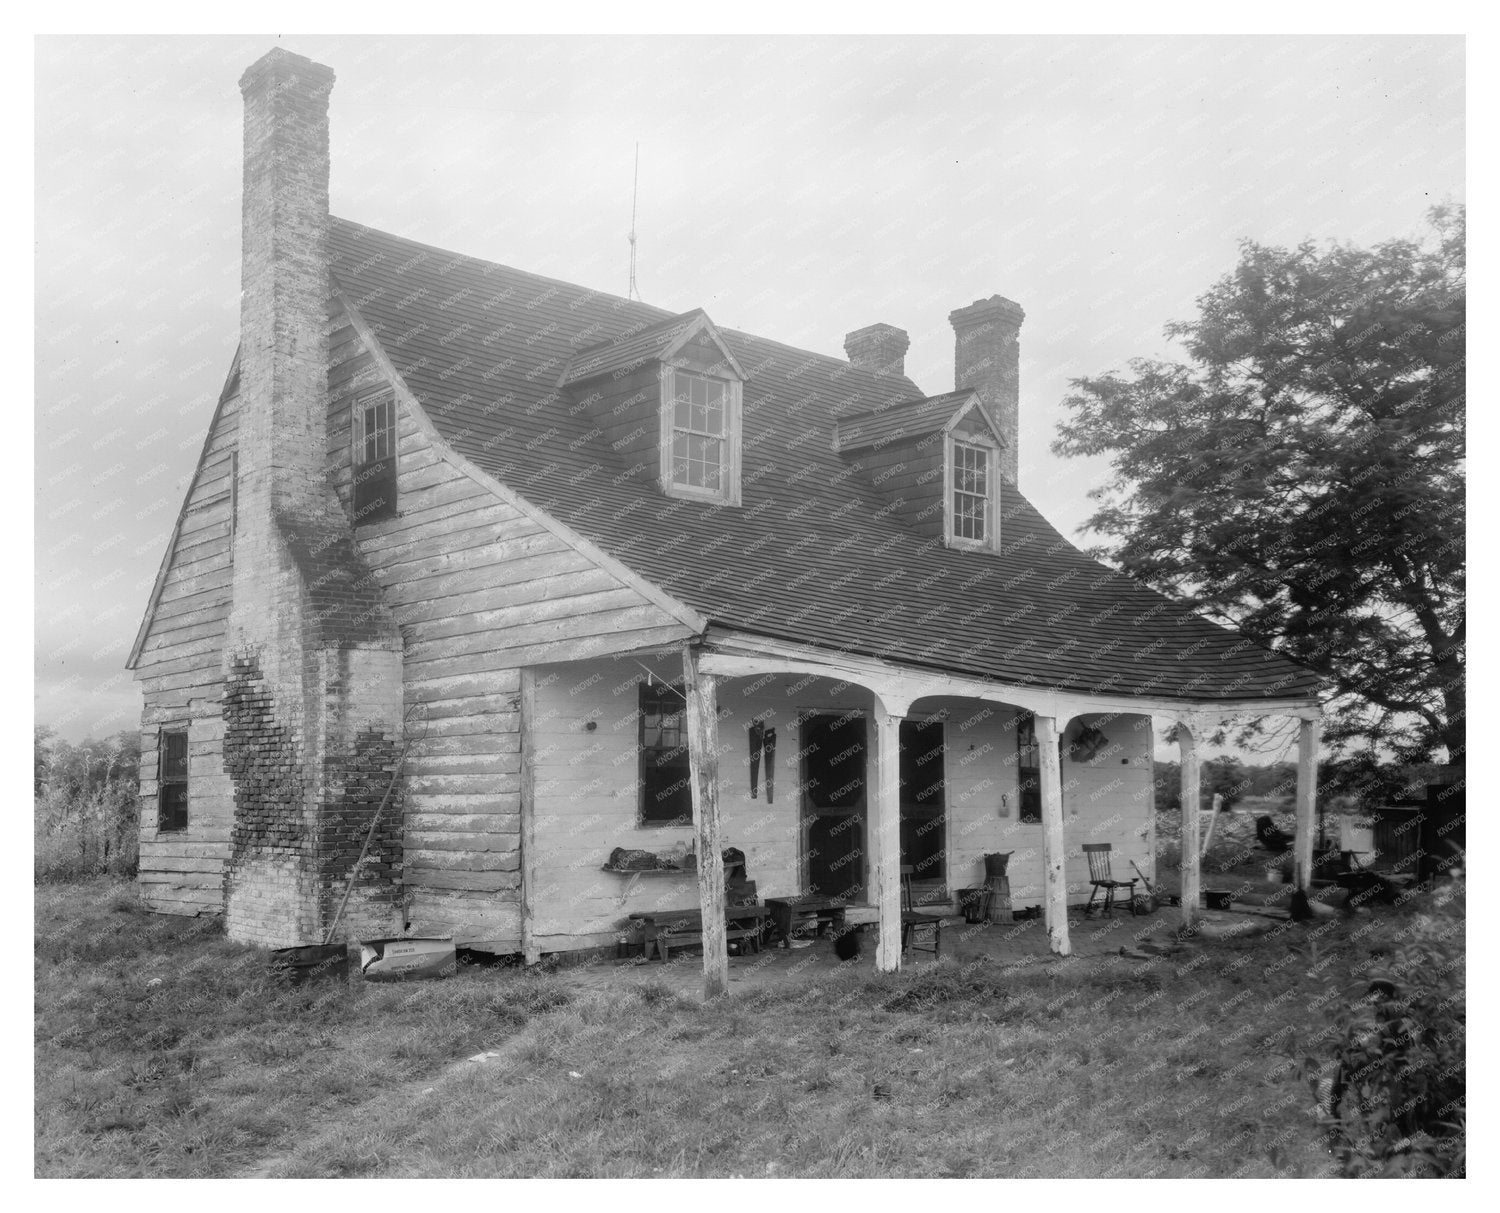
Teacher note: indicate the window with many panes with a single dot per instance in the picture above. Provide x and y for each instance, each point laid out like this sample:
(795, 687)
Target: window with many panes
(1028, 767)
(971, 485)
(700, 433)
(666, 787)
(172, 780)
(374, 458)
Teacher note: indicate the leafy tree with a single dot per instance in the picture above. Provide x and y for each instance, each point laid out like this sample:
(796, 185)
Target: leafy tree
(1225, 776)
(1300, 477)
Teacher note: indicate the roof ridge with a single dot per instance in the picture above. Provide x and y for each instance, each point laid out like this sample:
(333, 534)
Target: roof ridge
(663, 317)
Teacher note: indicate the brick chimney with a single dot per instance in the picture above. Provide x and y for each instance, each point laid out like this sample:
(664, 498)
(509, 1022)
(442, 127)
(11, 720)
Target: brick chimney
(987, 356)
(878, 348)
(312, 677)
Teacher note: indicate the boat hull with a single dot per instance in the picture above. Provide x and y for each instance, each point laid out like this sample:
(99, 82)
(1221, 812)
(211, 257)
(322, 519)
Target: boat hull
(406, 959)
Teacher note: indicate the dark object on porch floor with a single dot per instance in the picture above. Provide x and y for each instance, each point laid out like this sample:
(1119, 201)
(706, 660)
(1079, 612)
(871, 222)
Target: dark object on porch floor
(975, 903)
(1100, 877)
(846, 944)
(1274, 840)
(913, 921)
(1217, 899)
(998, 884)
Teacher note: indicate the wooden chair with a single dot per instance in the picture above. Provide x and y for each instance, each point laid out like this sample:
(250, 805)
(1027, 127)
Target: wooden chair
(913, 921)
(1100, 877)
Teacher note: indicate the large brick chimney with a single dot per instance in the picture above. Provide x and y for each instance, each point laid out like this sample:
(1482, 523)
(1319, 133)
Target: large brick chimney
(878, 348)
(312, 678)
(988, 357)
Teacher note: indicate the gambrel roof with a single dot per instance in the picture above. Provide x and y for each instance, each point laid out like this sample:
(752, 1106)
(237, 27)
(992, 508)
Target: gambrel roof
(814, 554)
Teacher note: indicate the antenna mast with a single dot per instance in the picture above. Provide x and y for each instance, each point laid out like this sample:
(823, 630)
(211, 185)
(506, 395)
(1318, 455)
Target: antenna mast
(634, 291)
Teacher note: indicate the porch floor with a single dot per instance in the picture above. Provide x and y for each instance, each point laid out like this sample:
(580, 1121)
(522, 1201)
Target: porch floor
(1017, 944)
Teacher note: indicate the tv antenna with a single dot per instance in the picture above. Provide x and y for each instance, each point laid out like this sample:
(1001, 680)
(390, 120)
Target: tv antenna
(633, 292)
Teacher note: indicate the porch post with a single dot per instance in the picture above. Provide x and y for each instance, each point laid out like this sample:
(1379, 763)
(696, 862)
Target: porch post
(1307, 799)
(885, 835)
(1187, 747)
(1055, 895)
(702, 719)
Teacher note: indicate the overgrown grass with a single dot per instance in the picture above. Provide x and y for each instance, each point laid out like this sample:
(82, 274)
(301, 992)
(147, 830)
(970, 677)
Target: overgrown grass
(162, 1049)
(1190, 1063)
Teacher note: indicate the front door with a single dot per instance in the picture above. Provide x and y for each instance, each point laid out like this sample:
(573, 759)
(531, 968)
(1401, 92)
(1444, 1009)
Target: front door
(833, 804)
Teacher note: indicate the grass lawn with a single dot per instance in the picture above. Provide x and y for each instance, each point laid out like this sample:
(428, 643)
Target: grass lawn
(162, 1050)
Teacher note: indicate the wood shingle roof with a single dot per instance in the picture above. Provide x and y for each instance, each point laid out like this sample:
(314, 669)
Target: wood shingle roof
(813, 554)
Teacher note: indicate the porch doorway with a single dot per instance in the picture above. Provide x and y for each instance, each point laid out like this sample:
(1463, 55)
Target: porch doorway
(924, 821)
(834, 804)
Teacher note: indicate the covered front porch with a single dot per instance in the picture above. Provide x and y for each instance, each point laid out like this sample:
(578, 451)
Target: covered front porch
(827, 803)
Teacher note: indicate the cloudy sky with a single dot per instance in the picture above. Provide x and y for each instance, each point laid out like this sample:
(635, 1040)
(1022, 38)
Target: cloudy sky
(795, 188)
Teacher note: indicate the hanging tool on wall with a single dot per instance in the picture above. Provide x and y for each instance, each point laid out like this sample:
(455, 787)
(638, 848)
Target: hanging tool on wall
(762, 742)
(757, 742)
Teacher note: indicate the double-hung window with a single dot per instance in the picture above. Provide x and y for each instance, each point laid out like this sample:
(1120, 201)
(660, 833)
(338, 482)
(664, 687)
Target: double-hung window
(172, 781)
(666, 781)
(374, 458)
(700, 433)
(1028, 768)
(971, 485)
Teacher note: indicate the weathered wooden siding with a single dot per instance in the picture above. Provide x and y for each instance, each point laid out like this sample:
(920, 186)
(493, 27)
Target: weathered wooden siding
(585, 789)
(180, 672)
(479, 590)
(627, 412)
(910, 473)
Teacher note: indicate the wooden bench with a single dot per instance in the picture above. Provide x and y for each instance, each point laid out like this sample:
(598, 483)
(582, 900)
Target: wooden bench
(664, 930)
(792, 914)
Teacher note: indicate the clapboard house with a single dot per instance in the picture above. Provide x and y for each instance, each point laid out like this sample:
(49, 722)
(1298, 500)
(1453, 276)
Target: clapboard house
(550, 573)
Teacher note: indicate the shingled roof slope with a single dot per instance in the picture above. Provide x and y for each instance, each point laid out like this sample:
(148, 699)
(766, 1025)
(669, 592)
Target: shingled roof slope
(813, 554)
(628, 350)
(910, 419)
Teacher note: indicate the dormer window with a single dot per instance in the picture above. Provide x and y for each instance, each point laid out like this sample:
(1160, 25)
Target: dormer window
(667, 397)
(937, 462)
(971, 476)
(700, 433)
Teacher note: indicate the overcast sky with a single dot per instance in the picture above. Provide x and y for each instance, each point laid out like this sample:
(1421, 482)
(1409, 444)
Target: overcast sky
(794, 188)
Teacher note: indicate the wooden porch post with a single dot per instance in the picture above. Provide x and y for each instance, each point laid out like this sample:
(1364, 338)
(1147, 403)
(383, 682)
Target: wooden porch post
(1187, 746)
(1055, 895)
(885, 835)
(702, 721)
(1307, 799)
(529, 950)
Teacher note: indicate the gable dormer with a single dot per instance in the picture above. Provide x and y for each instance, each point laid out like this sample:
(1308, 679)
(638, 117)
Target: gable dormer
(936, 461)
(668, 397)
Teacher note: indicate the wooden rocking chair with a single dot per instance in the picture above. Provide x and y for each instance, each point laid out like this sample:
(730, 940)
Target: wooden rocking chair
(913, 921)
(1100, 877)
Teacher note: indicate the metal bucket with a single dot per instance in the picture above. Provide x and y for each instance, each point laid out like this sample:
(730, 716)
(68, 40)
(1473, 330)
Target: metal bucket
(310, 962)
